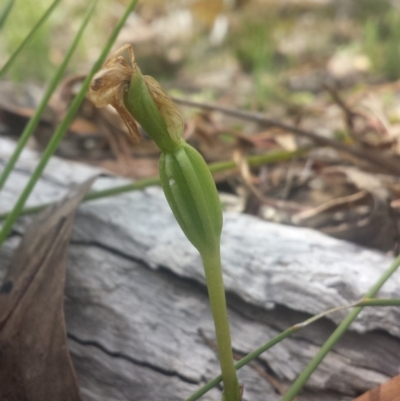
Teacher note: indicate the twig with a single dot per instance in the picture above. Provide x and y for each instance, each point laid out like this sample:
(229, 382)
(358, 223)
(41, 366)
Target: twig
(384, 161)
(330, 205)
(350, 115)
(244, 169)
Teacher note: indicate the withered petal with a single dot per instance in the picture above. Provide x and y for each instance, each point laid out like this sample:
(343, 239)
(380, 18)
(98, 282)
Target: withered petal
(127, 119)
(109, 84)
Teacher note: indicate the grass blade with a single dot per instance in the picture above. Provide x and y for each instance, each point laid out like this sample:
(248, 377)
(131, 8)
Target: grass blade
(244, 361)
(287, 333)
(31, 34)
(257, 160)
(4, 13)
(55, 140)
(335, 336)
(379, 302)
(33, 122)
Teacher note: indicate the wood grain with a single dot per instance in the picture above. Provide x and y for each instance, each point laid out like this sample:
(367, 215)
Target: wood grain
(136, 299)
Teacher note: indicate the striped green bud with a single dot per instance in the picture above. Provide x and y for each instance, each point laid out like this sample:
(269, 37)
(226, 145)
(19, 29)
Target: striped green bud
(191, 193)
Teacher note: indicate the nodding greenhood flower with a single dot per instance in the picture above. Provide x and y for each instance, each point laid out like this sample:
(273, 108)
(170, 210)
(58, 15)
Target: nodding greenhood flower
(186, 180)
(137, 97)
(185, 177)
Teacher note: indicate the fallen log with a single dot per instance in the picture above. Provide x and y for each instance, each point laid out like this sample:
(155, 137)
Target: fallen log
(137, 312)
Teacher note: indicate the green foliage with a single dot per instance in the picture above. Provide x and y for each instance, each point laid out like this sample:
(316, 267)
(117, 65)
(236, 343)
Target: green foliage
(382, 43)
(254, 46)
(5, 12)
(254, 42)
(34, 121)
(62, 128)
(37, 55)
(391, 48)
(364, 9)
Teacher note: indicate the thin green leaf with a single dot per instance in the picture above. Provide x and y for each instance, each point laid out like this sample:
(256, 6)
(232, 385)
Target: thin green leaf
(28, 38)
(287, 333)
(379, 302)
(55, 140)
(5, 12)
(257, 160)
(335, 336)
(34, 121)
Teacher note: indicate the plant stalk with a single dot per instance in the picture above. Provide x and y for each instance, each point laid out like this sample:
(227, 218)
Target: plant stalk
(216, 294)
(5, 12)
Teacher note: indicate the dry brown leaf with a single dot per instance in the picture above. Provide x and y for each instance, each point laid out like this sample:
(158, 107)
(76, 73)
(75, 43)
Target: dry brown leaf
(34, 361)
(363, 216)
(389, 391)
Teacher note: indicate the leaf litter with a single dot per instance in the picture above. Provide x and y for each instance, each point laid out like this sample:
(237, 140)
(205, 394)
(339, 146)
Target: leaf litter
(35, 364)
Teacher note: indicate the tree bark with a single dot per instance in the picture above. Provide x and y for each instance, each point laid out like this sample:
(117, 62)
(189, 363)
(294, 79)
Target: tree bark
(137, 310)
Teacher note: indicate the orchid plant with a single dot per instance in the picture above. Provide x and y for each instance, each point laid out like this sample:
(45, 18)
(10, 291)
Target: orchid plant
(185, 178)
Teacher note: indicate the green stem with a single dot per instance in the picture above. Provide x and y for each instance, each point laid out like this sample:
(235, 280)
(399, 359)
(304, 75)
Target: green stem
(33, 122)
(259, 160)
(28, 38)
(55, 140)
(216, 294)
(336, 335)
(379, 302)
(244, 361)
(5, 12)
(256, 160)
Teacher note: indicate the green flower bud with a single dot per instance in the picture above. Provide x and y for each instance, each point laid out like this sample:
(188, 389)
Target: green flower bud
(191, 193)
(155, 111)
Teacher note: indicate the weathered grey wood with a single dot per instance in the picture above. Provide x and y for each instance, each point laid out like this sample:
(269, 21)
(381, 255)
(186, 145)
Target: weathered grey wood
(135, 298)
